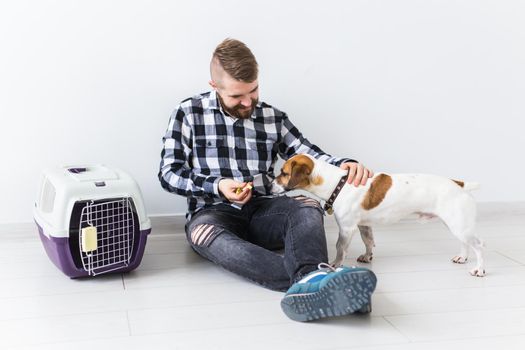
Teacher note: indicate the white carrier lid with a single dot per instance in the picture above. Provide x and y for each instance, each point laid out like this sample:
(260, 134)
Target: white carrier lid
(62, 186)
(91, 173)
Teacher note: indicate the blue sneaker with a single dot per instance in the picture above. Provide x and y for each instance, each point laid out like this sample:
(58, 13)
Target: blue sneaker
(330, 292)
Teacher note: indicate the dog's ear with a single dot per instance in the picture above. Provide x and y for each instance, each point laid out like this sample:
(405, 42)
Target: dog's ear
(299, 175)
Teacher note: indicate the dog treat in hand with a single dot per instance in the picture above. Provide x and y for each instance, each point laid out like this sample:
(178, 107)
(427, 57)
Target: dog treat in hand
(240, 189)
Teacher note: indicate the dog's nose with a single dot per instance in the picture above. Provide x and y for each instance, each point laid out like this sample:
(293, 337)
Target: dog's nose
(276, 188)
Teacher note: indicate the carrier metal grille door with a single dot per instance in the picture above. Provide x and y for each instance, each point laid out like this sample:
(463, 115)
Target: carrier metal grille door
(110, 227)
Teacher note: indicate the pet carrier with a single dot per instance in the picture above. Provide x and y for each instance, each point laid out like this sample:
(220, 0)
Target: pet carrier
(91, 220)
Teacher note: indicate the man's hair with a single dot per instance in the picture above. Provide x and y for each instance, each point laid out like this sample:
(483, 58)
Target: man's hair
(237, 60)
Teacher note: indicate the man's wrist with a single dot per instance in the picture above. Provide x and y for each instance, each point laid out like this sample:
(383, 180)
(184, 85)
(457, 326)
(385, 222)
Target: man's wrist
(216, 190)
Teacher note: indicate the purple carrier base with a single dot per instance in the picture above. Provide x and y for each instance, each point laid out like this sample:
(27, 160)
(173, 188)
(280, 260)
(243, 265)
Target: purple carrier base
(57, 248)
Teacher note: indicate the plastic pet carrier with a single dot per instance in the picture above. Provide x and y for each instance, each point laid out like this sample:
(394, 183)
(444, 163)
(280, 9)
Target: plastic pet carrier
(91, 220)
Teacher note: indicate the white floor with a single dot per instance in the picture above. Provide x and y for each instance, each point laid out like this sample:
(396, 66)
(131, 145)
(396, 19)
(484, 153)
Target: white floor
(176, 300)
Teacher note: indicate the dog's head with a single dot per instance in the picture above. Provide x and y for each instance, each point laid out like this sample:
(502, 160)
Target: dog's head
(296, 173)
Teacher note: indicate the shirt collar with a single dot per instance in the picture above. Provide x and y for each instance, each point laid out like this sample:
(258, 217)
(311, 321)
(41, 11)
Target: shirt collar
(214, 103)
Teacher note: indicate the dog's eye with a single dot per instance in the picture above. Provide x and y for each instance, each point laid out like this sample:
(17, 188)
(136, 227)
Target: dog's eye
(284, 174)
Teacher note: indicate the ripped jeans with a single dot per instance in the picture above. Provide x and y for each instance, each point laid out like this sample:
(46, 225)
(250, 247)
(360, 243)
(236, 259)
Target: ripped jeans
(273, 242)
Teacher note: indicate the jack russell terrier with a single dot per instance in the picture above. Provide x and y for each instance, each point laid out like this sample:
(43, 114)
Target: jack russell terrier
(386, 198)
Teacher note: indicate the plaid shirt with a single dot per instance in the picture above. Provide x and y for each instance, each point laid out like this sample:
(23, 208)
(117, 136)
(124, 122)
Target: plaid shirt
(203, 144)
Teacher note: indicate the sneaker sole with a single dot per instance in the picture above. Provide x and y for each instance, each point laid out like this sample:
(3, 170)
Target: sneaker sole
(342, 295)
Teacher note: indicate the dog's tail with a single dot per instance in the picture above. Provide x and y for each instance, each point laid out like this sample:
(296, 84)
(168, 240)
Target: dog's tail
(471, 186)
(468, 186)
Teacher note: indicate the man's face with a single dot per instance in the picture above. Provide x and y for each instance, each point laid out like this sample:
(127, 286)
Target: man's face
(237, 98)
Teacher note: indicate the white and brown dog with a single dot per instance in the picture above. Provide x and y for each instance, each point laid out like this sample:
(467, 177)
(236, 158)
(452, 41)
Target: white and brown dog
(386, 198)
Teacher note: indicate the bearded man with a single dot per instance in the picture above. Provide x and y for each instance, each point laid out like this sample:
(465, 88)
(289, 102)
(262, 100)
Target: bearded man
(219, 152)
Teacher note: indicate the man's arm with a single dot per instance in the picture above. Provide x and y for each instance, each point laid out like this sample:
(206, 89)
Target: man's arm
(175, 173)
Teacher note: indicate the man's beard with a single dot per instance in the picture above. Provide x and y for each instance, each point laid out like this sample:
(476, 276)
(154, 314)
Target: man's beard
(239, 111)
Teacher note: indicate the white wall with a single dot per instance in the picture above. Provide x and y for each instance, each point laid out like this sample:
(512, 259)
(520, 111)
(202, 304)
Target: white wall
(403, 86)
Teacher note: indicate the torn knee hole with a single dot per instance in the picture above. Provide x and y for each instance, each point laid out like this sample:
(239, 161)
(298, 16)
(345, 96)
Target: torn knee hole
(308, 202)
(204, 234)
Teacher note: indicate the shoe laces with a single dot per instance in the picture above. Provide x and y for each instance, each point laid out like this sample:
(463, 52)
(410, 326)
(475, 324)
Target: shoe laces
(326, 266)
(330, 267)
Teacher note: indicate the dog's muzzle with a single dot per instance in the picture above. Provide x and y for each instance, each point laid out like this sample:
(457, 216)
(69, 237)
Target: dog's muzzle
(276, 188)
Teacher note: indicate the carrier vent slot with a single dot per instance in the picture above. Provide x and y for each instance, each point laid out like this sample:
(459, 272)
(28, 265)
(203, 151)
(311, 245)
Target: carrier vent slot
(47, 200)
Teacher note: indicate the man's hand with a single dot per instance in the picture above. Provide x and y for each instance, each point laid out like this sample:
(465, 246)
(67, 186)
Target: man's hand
(358, 174)
(228, 188)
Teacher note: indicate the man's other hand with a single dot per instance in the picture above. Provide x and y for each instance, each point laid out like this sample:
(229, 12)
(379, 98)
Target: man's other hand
(228, 188)
(357, 174)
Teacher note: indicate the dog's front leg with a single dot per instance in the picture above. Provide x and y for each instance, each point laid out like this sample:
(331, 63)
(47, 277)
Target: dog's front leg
(343, 241)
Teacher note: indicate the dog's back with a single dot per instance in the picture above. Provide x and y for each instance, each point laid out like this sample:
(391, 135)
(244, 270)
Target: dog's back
(392, 197)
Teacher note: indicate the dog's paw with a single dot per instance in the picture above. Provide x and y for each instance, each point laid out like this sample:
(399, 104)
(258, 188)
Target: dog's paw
(335, 263)
(363, 258)
(477, 272)
(459, 259)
